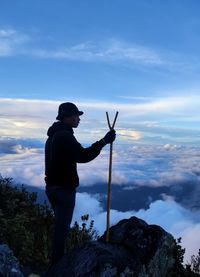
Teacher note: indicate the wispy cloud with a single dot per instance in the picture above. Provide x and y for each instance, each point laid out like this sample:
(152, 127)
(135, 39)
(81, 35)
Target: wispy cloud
(11, 42)
(107, 51)
(172, 106)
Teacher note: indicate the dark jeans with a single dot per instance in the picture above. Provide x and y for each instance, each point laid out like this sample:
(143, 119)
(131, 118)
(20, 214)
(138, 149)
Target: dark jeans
(62, 201)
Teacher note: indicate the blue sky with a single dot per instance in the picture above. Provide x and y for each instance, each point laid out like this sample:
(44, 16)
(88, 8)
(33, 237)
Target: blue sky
(136, 56)
(140, 58)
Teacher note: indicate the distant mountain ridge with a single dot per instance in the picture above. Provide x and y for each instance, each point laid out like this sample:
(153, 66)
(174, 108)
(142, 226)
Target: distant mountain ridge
(132, 197)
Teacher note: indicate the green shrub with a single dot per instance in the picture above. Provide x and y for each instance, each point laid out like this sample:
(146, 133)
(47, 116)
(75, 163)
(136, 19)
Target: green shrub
(194, 265)
(27, 227)
(80, 234)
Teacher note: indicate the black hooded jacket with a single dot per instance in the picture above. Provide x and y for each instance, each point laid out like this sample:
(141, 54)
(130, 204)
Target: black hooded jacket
(63, 152)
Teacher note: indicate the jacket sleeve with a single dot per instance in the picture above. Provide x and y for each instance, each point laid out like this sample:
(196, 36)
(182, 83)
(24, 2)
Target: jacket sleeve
(81, 154)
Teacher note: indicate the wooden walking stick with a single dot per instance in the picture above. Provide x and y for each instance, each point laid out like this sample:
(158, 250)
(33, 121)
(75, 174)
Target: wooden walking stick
(111, 127)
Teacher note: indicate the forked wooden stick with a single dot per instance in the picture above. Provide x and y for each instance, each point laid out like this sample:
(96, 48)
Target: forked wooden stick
(111, 127)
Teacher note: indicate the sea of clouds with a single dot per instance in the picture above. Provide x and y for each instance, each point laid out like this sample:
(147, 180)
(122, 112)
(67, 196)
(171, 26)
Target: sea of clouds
(133, 166)
(147, 154)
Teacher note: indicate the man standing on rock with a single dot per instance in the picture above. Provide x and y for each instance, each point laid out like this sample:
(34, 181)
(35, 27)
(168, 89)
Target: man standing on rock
(62, 153)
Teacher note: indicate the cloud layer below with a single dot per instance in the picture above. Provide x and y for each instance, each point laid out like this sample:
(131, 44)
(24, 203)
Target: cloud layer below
(168, 214)
(23, 125)
(154, 166)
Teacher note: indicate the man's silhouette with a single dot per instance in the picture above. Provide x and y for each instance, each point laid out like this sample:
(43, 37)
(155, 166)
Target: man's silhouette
(62, 153)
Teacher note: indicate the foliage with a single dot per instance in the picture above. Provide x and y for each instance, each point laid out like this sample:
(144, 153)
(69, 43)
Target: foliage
(179, 270)
(27, 226)
(178, 255)
(79, 235)
(194, 265)
(24, 225)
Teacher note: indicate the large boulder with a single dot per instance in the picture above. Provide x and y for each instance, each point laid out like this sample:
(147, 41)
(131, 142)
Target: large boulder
(134, 249)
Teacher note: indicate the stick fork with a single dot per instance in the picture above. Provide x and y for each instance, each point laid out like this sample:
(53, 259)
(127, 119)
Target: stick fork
(111, 127)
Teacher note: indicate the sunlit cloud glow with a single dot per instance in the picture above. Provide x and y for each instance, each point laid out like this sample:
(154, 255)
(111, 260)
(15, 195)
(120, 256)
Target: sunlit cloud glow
(136, 121)
(129, 134)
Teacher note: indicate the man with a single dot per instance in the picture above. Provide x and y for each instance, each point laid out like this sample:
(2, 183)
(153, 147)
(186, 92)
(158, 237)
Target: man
(62, 153)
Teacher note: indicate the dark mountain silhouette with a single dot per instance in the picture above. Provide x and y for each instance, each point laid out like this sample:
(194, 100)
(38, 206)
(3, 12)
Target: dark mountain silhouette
(132, 197)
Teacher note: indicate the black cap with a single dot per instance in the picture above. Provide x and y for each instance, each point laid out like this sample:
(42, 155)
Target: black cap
(67, 109)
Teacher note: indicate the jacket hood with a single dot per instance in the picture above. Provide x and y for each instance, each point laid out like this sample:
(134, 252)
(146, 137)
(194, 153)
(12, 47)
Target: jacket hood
(58, 126)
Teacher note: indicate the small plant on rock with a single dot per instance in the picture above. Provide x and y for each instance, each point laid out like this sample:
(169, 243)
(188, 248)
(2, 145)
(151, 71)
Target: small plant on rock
(81, 233)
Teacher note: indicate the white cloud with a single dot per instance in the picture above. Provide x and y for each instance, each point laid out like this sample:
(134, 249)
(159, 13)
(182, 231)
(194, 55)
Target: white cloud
(144, 165)
(191, 241)
(169, 107)
(10, 145)
(12, 42)
(176, 220)
(168, 214)
(26, 118)
(5, 33)
(26, 166)
(86, 204)
(111, 50)
(135, 135)
(108, 51)
(139, 164)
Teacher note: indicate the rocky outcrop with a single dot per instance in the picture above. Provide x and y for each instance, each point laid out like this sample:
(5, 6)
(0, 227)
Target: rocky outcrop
(135, 249)
(9, 266)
